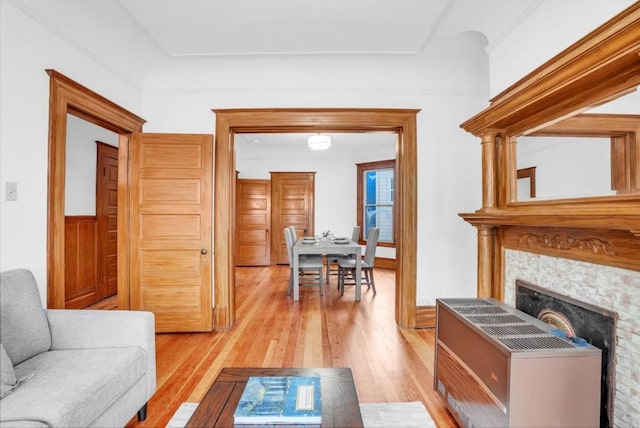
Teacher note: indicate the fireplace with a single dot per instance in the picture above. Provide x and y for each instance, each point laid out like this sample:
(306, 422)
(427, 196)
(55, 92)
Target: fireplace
(612, 288)
(587, 248)
(581, 319)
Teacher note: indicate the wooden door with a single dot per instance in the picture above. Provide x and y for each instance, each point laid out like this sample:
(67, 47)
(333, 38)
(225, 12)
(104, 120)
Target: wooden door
(170, 224)
(292, 204)
(253, 222)
(107, 220)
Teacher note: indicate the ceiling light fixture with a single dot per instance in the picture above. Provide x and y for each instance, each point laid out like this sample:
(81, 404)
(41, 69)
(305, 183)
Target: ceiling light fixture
(319, 142)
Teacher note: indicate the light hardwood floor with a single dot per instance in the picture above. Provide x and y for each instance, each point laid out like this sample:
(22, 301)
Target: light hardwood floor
(389, 363)
(109, 304)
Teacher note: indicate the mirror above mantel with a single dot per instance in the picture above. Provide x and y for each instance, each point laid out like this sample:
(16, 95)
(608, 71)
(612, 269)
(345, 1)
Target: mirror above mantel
(577, 113)
(586, 155)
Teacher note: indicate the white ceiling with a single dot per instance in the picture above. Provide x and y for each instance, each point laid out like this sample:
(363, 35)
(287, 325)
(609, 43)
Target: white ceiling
(140, 32)
(178, 28)
(241, 27)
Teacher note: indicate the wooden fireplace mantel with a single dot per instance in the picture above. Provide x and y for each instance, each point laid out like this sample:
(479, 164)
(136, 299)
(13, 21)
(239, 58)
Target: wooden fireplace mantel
(599, 68)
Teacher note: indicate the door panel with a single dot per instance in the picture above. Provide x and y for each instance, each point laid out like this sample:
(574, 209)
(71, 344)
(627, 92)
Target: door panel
(253, 222)
(107, 220)
(292, 205)
(171, 229)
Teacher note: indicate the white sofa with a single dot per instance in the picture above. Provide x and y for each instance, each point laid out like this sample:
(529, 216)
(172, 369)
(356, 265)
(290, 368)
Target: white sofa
(82, 367)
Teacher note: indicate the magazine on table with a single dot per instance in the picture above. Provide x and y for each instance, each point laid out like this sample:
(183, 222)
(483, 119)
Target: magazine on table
(280, 400)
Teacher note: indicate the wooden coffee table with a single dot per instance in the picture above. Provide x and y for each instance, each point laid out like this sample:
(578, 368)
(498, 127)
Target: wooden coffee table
(340, 406)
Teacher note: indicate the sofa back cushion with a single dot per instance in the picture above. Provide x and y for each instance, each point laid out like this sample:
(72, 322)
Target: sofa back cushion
(24, 329)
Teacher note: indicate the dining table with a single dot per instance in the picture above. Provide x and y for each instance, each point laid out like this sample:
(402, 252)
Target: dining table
(323, 246)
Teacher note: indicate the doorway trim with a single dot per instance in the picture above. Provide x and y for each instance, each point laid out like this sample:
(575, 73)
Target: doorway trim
(232, 121)
(66, 96)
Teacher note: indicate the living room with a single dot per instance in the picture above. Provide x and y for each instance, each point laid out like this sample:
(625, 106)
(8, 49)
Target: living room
(448, 81)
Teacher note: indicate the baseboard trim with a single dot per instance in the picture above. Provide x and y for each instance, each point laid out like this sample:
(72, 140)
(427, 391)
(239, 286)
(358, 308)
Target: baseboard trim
(385, 263)
(425, 317)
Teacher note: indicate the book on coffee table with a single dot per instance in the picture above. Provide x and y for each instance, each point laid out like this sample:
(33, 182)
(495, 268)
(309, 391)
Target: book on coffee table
(280, 400)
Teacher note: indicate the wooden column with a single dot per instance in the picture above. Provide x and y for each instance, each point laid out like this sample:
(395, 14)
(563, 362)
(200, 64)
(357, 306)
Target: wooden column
(489, 202)
(485, 260)
(488, 170)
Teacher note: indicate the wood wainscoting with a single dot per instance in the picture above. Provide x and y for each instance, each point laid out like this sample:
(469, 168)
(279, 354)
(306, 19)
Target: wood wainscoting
(81, 263)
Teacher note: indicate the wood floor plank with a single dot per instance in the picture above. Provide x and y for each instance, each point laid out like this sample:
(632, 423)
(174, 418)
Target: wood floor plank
(389, 363)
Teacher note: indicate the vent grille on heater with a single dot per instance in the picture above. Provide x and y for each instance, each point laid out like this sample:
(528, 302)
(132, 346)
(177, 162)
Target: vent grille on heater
(502, 323)
(510, 330)
(456, 303)
(534, 342)
(480, 310)
(495, 319)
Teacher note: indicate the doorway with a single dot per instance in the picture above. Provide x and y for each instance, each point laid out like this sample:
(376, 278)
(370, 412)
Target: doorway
(237, 121)
(69, 97)
(91, 165)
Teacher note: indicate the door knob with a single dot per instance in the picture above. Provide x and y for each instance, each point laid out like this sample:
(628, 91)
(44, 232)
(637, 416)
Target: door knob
(203, 251)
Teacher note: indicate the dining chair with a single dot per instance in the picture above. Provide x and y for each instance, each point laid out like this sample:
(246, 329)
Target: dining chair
(292, 229)
(348, 265)
(333, 258)
(294, 236)
(307, 266)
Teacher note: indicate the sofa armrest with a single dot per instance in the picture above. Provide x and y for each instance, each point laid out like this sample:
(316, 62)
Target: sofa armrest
(85, 329)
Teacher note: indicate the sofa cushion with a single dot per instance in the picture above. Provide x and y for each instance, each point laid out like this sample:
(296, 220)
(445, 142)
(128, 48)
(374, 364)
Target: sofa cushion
(73, 387)
(24, 329)
(23, 424)
(7, 375)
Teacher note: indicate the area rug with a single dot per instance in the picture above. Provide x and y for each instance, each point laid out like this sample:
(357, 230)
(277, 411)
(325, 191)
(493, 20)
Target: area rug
(374, 415)
(405, 415)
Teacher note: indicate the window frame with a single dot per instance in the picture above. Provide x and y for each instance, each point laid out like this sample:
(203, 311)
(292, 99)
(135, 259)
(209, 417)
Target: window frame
(361, 169)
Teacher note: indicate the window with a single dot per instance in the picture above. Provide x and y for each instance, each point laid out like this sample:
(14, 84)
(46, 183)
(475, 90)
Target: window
(376, 181)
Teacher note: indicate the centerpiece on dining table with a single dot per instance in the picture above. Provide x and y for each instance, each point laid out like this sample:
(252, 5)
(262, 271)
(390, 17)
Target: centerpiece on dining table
(326, 236)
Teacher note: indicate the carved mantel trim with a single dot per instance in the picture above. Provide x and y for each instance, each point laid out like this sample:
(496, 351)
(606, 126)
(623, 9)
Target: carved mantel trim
(606, 247)
(565, 242)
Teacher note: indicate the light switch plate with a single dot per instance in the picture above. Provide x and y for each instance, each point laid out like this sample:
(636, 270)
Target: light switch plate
(11, 191)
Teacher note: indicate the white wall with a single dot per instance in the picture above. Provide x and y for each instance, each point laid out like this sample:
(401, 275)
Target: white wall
(552, 27)
(26, 50)
(448, 84)
(80, 168)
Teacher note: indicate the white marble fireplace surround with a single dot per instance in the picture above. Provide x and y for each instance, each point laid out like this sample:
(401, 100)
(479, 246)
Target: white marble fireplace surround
(608, 287)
